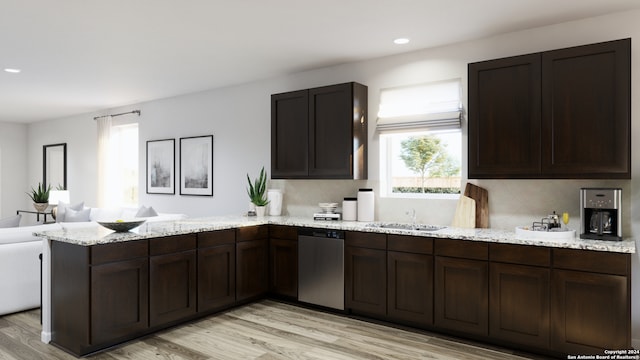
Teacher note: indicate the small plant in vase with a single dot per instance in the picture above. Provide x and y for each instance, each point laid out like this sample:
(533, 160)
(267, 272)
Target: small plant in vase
(40, 197)
(257, 191)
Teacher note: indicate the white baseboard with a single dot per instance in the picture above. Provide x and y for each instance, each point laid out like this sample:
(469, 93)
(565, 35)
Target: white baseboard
(45, 337)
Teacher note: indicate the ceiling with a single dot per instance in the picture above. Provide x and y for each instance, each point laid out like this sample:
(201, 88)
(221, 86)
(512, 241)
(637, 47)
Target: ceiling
(80, 56)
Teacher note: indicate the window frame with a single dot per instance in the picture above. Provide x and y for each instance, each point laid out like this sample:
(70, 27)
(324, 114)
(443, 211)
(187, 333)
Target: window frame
(386, 168)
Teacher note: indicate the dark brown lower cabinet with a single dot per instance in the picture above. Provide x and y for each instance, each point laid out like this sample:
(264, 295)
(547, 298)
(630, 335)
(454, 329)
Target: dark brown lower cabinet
(172, 279)
(410, 287)
(283, 261)
(216, 270)
(99, 294)
(119, 299)
(590, 312)
(365, 273)
(519, 305)
(252, 269)
(462, 295)
(410, 279)
(365, 280)
(590, 301)
(550, 300)
(283, 267)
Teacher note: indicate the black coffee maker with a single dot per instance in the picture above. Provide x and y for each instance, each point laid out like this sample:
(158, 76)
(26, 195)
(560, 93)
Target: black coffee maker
(601, 214)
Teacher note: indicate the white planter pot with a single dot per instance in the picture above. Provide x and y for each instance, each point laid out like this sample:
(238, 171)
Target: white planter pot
(260, 210)
(40, 207)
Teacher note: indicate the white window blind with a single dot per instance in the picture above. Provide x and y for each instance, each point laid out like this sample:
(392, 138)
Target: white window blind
(430, 106)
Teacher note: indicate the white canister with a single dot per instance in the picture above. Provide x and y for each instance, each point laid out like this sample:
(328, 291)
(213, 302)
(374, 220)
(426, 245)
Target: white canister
(275, 202)
(350, 209)
(365, 204)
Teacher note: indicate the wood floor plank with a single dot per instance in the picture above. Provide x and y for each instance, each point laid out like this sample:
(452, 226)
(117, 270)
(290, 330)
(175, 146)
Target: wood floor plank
(266, 330)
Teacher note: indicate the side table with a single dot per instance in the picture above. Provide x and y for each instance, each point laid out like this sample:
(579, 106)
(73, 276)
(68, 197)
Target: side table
(38, 213)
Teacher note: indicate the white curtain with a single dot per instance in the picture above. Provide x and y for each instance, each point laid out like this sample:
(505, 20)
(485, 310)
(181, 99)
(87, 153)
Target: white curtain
(105, 196)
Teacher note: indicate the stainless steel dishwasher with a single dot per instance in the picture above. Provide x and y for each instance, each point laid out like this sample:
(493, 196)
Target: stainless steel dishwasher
(321, 267)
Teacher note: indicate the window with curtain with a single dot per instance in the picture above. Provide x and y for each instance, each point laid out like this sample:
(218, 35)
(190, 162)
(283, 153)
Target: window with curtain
(117, 164)
(421, 140)
(124, 149)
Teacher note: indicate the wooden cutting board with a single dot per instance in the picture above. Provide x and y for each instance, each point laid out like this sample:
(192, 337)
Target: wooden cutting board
(481, 197)
(465, 215)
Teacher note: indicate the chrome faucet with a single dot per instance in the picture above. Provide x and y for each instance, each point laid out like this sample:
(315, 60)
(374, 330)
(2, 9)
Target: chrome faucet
(412, 214)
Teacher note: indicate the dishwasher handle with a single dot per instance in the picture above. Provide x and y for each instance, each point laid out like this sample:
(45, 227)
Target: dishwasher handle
(321, 233)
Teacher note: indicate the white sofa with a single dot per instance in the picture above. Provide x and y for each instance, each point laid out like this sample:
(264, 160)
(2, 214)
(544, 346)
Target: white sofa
(20, 251)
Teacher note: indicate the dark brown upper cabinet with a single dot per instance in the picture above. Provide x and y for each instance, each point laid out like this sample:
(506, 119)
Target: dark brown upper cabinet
(320, 133)
(563, 114)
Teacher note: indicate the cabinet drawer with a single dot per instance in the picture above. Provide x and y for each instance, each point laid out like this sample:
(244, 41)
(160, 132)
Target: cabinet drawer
(105, 253)
(283, 232)
(172, 244)
(520, 254)
(593, 261)
(410, 244)
(215, 238)
(462, 248)
(366, 240)
(252, 233)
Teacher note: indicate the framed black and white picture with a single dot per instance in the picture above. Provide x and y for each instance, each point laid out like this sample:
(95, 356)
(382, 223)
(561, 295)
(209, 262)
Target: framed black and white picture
(161, 168)
(196, 165)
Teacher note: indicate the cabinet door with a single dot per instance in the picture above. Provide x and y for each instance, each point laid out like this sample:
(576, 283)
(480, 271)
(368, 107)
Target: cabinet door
(462, 295)
(410, 287)
(590, 312)
(330, 131)
(119, 300)
(216, 277)
(519, 306)
(504, 118)
(586, 111)
(365, 280)
(252, 269)
(173, 287)
(289, 135)
(283, 274)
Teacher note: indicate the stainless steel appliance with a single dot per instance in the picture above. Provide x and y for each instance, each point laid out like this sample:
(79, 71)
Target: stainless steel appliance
(321, 267)
(601, 214)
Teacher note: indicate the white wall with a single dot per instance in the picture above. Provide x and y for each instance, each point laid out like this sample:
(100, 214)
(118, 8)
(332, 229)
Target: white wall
(80, 134)
(13, 171)
(239, 119)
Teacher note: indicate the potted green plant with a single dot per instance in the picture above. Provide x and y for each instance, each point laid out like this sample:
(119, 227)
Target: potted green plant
(257, 191)
(40, 197)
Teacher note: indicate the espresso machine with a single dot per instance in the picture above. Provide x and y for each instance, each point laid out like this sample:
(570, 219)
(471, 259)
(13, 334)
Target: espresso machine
(601, 214)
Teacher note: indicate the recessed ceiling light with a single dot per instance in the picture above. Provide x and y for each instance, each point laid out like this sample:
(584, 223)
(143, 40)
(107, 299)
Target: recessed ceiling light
(401, 41)
(12, 71)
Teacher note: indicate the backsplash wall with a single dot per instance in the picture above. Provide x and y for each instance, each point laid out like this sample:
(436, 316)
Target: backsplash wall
(511, 202)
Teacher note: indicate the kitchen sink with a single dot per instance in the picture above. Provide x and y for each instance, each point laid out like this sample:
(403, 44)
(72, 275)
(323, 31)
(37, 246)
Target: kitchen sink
(410, 227)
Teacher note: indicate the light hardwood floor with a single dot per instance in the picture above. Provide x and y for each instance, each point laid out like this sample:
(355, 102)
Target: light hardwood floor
(264, 330)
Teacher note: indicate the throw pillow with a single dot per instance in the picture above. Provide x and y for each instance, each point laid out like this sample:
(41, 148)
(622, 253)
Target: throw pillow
(62, 209)
(11, 221)
(146, 212)
(77, 215)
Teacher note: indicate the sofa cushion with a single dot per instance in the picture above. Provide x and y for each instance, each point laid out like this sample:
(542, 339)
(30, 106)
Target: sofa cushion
(105, 214)
(62, 210)
(24, 233)
(146, 212)
(72, 215)
(11, 221)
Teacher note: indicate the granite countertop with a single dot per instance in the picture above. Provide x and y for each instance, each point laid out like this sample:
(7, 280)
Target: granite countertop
(95, 235)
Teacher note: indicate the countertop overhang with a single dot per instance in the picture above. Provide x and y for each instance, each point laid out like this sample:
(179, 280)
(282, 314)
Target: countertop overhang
(96, 235)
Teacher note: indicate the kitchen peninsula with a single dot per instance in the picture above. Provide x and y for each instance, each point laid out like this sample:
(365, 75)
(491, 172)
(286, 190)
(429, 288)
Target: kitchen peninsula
(555, 297)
